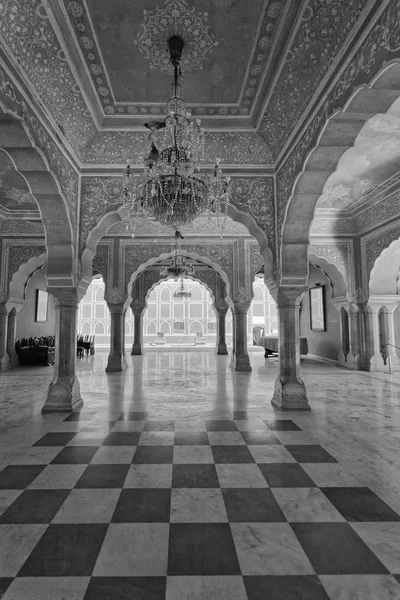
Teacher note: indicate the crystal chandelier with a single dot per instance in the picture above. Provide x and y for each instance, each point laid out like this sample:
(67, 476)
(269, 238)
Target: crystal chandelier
(178, 267)
(171, 189)
(182, 293)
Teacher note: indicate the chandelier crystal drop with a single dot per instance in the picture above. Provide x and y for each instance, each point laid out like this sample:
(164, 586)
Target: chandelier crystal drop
(178, 267)
(171, 188)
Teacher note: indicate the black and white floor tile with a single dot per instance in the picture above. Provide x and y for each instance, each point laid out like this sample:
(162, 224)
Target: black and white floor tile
(239, 508)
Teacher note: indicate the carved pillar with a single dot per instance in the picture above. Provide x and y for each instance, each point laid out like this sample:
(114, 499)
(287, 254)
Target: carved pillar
(11, 334)
(221, 337)
(343, 310)
(64, 393)
(4, 361)
(138, 331)
(382, 332)
(117, 342)
(290, 392)
(240, 358)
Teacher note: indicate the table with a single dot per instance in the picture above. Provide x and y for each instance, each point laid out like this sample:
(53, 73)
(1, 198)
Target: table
(271, 345)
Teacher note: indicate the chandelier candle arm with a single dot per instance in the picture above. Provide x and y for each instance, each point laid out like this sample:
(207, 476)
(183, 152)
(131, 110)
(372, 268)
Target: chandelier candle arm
(169, 189)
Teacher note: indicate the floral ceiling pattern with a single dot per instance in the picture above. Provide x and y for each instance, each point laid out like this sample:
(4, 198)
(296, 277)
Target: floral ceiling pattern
(26, 29)
(321, 33)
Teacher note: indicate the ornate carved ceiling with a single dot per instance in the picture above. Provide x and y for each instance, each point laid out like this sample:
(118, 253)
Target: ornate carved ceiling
(15, 197)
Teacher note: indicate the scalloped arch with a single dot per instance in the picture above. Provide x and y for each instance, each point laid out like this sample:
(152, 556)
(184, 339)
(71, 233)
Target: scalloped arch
(20, 278)
(336, 278)
(384, 276)
(338, 135)
(32, 165)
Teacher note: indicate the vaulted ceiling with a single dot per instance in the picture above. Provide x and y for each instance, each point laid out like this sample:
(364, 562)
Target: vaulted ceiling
(253, 70)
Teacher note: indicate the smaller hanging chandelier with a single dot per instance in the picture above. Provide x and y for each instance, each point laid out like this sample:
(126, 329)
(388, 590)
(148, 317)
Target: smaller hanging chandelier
(182, 293)
(171, 189)
(178, 267)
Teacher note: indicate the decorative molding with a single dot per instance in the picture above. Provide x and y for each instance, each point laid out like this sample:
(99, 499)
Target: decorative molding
(377, 214)
(335, 226)
(381, 46)
(201, 226)
(99, 196)
(66, 176)
(341, 255)
(324, 28)
(372, 246)
(14, 254)
(20, 196)
(234, 147)
(115, 296)
(21, 227)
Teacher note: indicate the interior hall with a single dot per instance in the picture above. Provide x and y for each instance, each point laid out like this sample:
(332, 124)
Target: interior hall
(199, 300)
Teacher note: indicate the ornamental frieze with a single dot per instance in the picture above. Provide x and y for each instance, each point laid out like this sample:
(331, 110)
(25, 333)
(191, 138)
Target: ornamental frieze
(372, 246)
(200, 226)
(381, 46)
(101, 262)
(137, 254)
(66, 176)
(339, 254)
(322, 32)
(236, 147)
(337, 226)
(379, 213)
(253, 196)
(21, 227)
(14, 255)
(26, 29)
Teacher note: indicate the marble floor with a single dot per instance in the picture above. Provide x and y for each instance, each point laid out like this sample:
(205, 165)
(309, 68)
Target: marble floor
(177, 480)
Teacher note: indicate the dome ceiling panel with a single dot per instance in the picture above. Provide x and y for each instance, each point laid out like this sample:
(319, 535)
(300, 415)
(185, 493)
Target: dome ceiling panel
(230, 49)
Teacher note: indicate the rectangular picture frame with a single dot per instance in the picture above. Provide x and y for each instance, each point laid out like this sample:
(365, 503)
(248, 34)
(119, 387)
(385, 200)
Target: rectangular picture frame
(317, 308)
(42, 305)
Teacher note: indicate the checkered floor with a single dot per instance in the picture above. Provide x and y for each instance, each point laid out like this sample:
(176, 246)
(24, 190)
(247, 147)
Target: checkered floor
(142, 509)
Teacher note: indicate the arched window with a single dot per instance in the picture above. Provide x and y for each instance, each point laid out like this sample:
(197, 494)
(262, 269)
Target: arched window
(196, 310)
(258, 293)
(86, 329)
(152, 310)
(178, 310)
(100, 294)
(86, 311)
(165, 328)
(100, 311)
(127, 327)
(165, 310)
(274, 327)
(228, 327)
(165, 295)
(99, 328)
(195, 327)
(88, 296)
(151, 328)
(153, 296)
(197, 295)
(179, 326)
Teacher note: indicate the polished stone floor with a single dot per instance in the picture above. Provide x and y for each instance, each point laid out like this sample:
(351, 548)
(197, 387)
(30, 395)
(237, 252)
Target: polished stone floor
(177, 480)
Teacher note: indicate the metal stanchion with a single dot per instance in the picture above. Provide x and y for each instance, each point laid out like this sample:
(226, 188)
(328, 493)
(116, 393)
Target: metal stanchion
(390, 372)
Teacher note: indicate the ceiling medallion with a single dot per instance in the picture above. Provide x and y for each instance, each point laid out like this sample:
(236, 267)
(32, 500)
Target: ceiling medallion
(175, 19)
(171, 189)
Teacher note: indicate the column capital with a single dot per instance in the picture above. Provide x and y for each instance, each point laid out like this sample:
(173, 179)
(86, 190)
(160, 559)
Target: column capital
(116, 309)
(137, 307)
(241, 307)
(290, 296)
(389, 301)
(66, 297)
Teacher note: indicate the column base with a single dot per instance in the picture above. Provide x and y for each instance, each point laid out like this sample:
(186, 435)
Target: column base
(115, 363)
(377, 364)
(222, 349)
(240, 362)
(136, 350)
(62, 397)
(290, 395)
(5, 363)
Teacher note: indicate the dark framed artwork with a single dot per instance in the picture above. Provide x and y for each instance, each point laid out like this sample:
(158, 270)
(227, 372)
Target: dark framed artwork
(317, 309)
(42, 302)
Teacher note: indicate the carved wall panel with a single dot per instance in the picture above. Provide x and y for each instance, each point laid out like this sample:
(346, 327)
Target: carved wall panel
(341, 255)
(102, 261)
(372, 245)
(14, 254)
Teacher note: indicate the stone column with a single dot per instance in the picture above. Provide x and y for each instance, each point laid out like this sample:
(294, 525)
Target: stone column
(240, 358)
(290, 392)
(221, 338)
(115, 358)
(64, 393)
(138, 332)
(4, 360)
(343, 310)
(11, 333)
